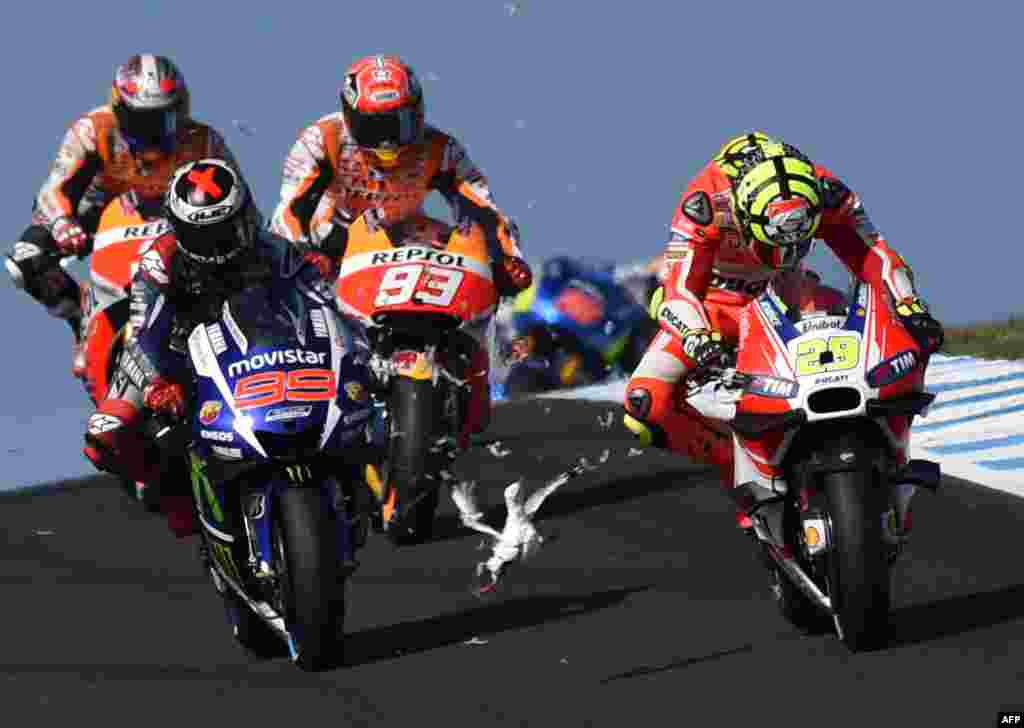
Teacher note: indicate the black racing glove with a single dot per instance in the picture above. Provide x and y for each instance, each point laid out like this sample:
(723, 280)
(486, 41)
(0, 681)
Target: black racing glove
(927, 332)
(705, 348)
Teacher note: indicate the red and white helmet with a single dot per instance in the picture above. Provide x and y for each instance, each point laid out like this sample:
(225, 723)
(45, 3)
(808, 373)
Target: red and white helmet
(150, 99)
(382, 102)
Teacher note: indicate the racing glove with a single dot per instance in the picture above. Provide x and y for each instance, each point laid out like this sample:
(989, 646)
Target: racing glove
(328, 270)
(927, 332)
(164, 396)
(705, 348)
(70, 238)
(518, 274)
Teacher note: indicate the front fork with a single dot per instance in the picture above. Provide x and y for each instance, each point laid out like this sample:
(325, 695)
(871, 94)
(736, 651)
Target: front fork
(257, 505)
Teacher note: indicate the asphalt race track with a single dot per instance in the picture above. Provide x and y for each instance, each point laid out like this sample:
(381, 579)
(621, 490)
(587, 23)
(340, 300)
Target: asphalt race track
(647, 608)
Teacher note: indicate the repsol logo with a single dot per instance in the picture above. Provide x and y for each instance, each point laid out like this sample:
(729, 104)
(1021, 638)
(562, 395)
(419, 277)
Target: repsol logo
(422, 255)
(738, 285)
(147, 231)
(274, 358)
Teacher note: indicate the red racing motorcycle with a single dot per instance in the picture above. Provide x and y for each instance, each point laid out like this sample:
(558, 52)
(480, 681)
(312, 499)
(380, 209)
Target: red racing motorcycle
(819, 438)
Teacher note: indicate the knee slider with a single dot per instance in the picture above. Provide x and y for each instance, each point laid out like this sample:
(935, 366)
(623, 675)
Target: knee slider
(638, 409)
(115, 443)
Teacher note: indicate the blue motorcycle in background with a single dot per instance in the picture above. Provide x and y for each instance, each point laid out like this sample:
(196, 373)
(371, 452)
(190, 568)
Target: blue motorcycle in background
(579, 323)
(277, 446)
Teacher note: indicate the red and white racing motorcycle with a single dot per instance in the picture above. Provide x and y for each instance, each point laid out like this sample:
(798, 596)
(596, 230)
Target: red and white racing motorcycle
(819, 412)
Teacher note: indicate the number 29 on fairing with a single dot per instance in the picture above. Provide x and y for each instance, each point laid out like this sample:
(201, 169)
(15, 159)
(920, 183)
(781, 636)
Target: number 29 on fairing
(832, 354)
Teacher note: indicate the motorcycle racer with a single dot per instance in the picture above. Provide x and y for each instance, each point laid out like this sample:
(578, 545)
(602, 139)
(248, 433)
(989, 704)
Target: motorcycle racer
(133, 143)
(747, 218)
(214, 249)
(379, 159)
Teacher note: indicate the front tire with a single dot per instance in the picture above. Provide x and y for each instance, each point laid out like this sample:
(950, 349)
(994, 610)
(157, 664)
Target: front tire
(859, 578)
(307, 566)
(413, 432)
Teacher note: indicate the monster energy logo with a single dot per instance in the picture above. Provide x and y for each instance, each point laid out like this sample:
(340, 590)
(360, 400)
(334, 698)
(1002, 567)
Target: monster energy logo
(299, 473)
(202, 488)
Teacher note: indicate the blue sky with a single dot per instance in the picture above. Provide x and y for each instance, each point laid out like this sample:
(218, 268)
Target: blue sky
(588, 117)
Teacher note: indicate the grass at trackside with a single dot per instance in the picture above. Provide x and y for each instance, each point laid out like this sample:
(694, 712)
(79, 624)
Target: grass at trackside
(994, 340)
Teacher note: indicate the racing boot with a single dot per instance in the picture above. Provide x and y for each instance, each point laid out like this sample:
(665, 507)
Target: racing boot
(77, 350)
(478, 406)
(897, 521)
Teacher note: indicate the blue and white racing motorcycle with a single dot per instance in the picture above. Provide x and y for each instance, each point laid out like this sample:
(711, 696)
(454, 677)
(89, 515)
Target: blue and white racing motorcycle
(579, 323)
(278, 446)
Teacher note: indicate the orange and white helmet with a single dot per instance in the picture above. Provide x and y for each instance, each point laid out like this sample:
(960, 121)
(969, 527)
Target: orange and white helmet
(150, 99)
(382, 102)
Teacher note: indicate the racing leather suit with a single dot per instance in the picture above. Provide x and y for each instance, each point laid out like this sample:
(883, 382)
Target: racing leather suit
(94, 166)
(328, 182)
(168, 300)
(710, 274)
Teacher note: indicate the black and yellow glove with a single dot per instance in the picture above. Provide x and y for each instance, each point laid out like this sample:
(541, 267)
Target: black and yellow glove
(927, 332)
(705, 347)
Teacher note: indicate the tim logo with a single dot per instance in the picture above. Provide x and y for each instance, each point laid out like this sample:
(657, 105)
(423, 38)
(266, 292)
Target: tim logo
(1011, 718)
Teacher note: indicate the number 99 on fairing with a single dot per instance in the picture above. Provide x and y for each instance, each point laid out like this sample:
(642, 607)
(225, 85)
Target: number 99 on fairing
(834, 354)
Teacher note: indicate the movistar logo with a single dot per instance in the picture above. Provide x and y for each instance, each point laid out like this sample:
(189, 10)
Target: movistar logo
(275, 358)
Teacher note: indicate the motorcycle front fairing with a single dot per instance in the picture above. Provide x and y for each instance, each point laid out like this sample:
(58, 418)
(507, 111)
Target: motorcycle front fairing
(820, 368)
(280, 383)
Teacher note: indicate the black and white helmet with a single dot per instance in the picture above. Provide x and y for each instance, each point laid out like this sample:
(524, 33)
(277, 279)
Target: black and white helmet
(211, 211)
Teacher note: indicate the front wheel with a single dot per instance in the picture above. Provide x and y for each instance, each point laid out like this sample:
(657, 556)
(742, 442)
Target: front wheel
(413, 433)
(859, 577)
(307, 564)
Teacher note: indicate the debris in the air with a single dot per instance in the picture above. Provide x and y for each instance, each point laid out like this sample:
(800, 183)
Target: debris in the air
(44, 532)
(606, 421)
(633, 452)
(475, 641)
(512, 8)
(605, 454)
(564, 660)
(531, 204)
(547, 409)
(16, 451)
(244, 127)
(495, 449)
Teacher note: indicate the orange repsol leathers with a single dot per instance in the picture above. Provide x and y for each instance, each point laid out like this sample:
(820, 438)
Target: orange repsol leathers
(710, 274)
(328, 182)
(93, 166)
